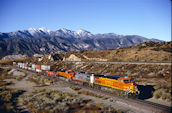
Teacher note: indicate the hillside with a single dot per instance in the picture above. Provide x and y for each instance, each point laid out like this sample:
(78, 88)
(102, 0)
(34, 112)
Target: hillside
(146, 52)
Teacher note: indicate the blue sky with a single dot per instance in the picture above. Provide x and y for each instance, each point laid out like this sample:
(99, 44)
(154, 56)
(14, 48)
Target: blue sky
(148, 18)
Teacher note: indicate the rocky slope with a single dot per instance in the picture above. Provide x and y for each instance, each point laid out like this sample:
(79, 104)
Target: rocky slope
(43, 41)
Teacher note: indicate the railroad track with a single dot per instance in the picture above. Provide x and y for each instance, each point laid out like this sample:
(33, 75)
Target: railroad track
(112, 62)
(150, 106)
(154, 107)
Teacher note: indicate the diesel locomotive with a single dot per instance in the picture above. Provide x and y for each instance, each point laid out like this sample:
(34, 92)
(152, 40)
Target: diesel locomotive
(123, 84)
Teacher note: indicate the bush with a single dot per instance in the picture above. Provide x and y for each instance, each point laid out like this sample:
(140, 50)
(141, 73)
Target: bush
(8, 99)
(89, 93)
(168, 97)
(162, 93)
(157, 94)
(157, 87)
(75, 88)
(164, 96)
(20, 77)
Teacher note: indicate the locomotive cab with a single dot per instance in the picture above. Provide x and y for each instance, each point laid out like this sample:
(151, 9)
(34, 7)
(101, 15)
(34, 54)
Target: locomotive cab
(129, 85)
(71, 73)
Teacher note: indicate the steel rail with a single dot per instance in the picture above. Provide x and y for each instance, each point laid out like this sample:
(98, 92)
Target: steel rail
(116, 62)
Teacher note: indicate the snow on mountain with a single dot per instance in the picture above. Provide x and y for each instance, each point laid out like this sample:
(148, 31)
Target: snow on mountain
(63, 33)
(82, 33)
(38, 32)
(32, 31)
(43, 41)
(63, 30)
(44, 30)
(75, 34)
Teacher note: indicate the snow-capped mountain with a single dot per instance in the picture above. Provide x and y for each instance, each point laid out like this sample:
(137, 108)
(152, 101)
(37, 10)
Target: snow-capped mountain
(83, 33)
(33, 32)
(40, 31)
(43, 41)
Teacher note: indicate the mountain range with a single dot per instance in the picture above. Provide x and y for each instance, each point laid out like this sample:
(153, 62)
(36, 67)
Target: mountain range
(43, 41)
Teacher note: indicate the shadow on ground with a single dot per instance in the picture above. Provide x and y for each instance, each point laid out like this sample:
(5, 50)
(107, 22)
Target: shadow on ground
(146, 92)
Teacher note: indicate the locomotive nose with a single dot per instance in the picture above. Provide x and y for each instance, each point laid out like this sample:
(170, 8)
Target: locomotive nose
(133, 83)
(133, 87)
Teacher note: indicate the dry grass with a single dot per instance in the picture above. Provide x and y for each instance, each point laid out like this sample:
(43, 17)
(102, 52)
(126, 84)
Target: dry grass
(89, 93)
(4, 73)
(10, 61)
(163, 94)
(4, 83)
(20, 77)
(78, 89)
(33, 80)
(75, 88)
(61, 102)
(7, 95)
(148, 51)
(40, 80)
(7, 99)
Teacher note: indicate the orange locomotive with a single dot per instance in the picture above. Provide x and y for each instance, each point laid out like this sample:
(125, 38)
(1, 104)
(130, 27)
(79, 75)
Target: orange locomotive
(121, 83)
(69, 73)
(51, 73)
(125, 84)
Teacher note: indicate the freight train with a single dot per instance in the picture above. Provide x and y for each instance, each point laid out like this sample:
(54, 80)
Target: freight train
(124, 85)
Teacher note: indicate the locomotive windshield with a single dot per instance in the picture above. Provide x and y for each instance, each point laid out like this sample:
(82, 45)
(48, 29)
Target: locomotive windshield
(131, 80)
(126, 81)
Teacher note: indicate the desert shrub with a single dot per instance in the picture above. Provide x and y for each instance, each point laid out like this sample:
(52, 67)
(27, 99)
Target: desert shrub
(6, 62)
(20, 77)
(8, 99)
(157, 94)
(33, 80)
(164, 96)
(157, 87)
(75, 88)
(61, 102)
(4, 73)
(89, 93)
(162, 93)
(168, 97)
(4, 83)
(40, 80)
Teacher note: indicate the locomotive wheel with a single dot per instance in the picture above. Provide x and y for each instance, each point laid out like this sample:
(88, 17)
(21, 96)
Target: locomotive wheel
(96, 86)
(85, 84)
